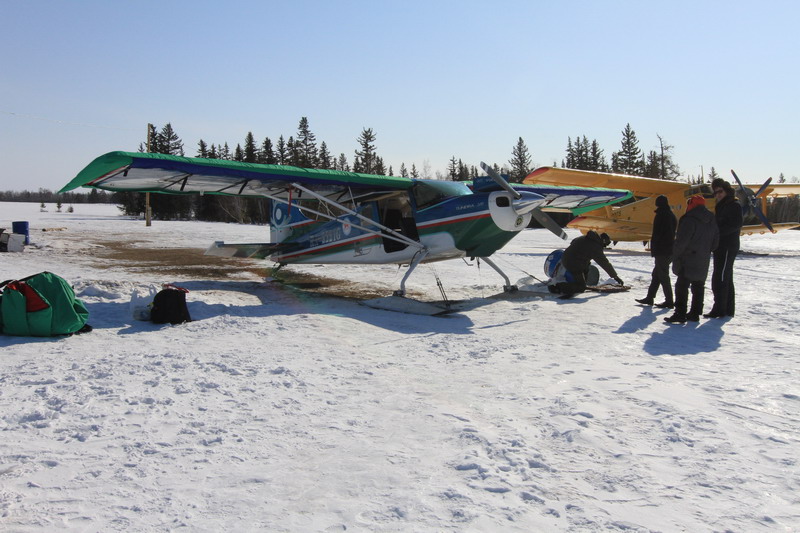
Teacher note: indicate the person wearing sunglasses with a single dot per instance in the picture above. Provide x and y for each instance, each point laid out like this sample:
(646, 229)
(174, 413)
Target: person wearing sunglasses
(728, 214)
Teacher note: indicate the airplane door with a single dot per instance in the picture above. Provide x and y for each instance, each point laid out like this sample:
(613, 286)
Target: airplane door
(397, 215)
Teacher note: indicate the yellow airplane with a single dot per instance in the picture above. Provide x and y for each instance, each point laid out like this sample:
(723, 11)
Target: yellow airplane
(633, 221)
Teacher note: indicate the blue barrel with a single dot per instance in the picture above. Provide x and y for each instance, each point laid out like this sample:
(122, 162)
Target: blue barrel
(21, 227)
(552, 262)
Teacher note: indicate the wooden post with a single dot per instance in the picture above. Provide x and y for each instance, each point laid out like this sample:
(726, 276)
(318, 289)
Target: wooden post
(147, 210)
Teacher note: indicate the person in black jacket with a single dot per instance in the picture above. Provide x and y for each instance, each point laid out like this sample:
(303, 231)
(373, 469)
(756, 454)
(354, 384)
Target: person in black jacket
(728, 213)
(578, 257)
(664, 225)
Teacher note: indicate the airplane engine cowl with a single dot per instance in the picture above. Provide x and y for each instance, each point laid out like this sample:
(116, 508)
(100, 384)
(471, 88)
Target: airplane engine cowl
(501, 207)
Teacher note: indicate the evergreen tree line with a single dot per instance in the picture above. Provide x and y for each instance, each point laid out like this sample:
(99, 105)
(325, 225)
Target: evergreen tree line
(303, 150)
(95, 196)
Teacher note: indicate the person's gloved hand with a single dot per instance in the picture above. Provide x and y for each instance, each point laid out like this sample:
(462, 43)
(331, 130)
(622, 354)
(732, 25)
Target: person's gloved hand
(619, 280)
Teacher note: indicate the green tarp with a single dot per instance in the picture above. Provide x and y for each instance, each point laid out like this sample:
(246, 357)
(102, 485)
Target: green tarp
(42, 305)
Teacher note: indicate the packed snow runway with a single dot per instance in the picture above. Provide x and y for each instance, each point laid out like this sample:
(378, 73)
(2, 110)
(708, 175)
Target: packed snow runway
(288, 406)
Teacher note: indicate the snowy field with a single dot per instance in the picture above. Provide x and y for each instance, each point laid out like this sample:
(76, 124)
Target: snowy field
(281, 408)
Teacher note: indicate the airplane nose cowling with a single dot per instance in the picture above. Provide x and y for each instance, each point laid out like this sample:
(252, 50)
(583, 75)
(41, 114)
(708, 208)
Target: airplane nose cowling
(510, 214)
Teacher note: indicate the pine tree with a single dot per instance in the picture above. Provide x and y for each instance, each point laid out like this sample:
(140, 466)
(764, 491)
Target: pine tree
(341, 163)
(293, 151)
(628, 160)
(168, 141)
(202, 149)
(324, 159)
(306, 146)
(365, 156)
(267, 155)
(281, 152)
(652, 167)
(250, 152)
(452, 169)
(403, 171)
(414, 173)
(597, 160)
(520, 162)
(379, 169)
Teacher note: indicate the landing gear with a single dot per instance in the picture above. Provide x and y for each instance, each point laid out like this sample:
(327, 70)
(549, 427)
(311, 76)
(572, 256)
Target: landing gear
(418, 257)
(508, 287)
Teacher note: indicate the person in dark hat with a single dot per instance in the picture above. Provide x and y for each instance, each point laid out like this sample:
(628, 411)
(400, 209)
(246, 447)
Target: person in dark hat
(578, 257)
(697, 237)
(663, 236)
(728, 214)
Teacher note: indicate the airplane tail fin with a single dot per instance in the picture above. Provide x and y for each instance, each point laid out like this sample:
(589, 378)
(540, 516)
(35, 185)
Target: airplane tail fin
(285, 219)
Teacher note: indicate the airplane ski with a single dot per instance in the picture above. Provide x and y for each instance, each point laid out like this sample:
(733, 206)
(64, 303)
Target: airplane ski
(256, 250)
(402, 304)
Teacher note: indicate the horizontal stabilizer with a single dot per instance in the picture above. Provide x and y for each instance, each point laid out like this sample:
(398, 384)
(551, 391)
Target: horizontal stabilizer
(257, 250)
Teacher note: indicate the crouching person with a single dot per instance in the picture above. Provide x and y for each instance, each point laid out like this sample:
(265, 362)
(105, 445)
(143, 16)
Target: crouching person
(697, 237)
(578, 257)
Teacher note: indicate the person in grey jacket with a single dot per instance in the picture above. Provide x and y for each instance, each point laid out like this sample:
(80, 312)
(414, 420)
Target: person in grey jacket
(698, 236)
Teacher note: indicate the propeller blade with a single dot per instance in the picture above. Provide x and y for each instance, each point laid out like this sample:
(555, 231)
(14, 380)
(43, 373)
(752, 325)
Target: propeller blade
(739, 182)
(763, 187)
(547, 222)
(540, 216)
(500, 181)
(753, 202)
(763, 218)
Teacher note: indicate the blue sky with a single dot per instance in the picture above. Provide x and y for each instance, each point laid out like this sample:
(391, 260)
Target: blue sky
(434, 79)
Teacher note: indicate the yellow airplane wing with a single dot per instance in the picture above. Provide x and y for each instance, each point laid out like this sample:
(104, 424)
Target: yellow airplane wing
(638, 185)
(777, 190)
(760, 229)
(617, 230)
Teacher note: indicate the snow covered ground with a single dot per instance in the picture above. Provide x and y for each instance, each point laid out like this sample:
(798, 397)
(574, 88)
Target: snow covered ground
(286, 409)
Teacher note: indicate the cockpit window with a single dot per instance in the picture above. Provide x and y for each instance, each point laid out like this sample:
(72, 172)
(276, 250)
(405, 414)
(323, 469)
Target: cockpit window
(703, 189)
(428, 193)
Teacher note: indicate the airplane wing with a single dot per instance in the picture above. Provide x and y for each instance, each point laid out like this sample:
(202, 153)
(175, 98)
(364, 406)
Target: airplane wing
(777, 190)
(145, 172)
(576, 199)
(638, 185)
(618, 230)
(760, 229)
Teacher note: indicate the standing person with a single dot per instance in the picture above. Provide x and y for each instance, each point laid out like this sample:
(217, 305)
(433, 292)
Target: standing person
(661, 241)
(728, 213)
(697, 237)
(578, 257)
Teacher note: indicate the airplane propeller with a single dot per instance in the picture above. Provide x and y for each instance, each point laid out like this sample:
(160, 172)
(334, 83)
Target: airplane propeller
(522, 207)
(753, 203)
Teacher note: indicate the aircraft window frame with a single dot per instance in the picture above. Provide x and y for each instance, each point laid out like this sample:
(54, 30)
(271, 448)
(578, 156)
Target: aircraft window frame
(428, 193)
(703, 189)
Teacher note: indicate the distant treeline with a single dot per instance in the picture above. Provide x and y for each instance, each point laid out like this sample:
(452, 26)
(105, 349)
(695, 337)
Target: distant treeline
(95, 196)
(303, 150)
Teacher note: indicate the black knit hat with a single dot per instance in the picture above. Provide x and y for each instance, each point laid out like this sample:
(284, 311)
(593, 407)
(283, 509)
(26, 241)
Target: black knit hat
(662, 201)
(719, 183)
